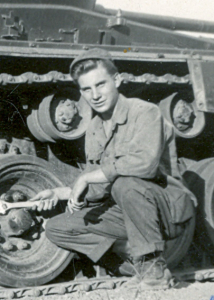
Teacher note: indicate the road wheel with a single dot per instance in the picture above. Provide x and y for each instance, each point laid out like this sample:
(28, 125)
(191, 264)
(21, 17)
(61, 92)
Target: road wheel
(177, 248)
(31, 259)
(200, 179)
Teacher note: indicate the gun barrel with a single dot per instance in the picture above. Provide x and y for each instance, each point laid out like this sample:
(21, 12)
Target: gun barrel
(166, 22)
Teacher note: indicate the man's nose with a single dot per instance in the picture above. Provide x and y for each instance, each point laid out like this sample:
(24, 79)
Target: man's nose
(95, 94)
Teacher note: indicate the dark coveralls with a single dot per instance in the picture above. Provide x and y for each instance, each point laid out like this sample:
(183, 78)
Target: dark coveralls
(145, 194)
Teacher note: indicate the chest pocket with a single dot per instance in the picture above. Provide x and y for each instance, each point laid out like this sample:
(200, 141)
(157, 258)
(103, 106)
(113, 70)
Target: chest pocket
(123, 140)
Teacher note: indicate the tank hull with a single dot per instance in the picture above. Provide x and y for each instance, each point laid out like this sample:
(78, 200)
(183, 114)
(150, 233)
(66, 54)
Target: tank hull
(38, 41)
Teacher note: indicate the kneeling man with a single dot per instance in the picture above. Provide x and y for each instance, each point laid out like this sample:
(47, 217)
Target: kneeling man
(131, 188)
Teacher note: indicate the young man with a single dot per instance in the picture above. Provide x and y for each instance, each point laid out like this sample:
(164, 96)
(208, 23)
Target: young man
(131, 188)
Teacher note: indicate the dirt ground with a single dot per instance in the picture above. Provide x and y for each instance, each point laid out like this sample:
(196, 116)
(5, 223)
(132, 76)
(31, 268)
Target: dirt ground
(184, 291)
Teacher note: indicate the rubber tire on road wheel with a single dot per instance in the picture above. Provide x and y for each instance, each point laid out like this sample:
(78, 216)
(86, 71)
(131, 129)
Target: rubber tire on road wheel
(177, 248)
(42, 261)
(200, 180)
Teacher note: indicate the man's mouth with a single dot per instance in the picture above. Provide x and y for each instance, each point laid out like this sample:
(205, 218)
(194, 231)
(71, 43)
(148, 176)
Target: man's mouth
(100, 103)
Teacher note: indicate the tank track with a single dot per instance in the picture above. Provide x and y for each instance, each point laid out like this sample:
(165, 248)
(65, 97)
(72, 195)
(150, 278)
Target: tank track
(99, 283)
(84, 285)
(55, 76)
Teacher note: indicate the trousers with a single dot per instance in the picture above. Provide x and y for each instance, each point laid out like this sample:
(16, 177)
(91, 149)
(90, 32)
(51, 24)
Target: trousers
(137, 210)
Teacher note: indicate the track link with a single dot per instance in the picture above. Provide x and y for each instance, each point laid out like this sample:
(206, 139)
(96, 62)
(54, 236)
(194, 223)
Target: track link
(102, 283)
(84, 285)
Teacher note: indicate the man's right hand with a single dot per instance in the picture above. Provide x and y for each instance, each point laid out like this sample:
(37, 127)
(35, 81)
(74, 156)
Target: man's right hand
(48, 200)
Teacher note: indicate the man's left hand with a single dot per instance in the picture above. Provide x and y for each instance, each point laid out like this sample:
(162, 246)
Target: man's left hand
(81, 184)
(79, 187)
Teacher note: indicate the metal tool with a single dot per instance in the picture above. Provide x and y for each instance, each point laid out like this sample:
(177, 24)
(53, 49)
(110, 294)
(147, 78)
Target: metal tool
(5, 206)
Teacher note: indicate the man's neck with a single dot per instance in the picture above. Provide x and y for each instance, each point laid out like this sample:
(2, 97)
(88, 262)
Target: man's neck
(107, 115)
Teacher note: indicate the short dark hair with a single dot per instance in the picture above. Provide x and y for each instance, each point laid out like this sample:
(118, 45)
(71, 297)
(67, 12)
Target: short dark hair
(85, 66)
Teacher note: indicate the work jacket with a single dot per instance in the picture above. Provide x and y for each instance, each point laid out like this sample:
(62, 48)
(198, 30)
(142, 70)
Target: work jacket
(141, 144)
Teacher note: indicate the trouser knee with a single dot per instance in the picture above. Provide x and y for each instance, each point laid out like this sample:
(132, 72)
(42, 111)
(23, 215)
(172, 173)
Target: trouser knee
(126, 191)
(121, 190)
(122, 184)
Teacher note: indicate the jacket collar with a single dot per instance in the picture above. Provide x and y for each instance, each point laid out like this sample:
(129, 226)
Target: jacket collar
(121, 111)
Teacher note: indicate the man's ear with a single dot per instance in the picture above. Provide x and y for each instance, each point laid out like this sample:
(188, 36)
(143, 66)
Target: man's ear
(117, 79)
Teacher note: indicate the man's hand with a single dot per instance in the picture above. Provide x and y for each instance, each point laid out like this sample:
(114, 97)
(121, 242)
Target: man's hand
(81, 184)
(48, 200)
(79, 187)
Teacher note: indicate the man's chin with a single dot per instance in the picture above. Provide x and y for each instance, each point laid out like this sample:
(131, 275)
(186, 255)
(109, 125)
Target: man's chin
(101, 109)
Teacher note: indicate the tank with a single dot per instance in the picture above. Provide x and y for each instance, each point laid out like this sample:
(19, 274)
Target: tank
(43, 119)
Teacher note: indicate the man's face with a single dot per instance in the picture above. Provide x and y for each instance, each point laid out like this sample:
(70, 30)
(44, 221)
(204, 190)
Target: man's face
(99, 89)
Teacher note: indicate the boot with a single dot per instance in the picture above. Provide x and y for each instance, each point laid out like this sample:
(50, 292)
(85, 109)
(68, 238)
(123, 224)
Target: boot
(150, 273)
(116, 266)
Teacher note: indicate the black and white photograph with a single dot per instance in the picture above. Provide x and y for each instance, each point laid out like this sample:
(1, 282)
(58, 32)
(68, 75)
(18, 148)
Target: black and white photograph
(107, 149)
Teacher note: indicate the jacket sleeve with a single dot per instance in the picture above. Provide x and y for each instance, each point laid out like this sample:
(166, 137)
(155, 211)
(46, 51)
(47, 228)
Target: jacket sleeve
(140, 156)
